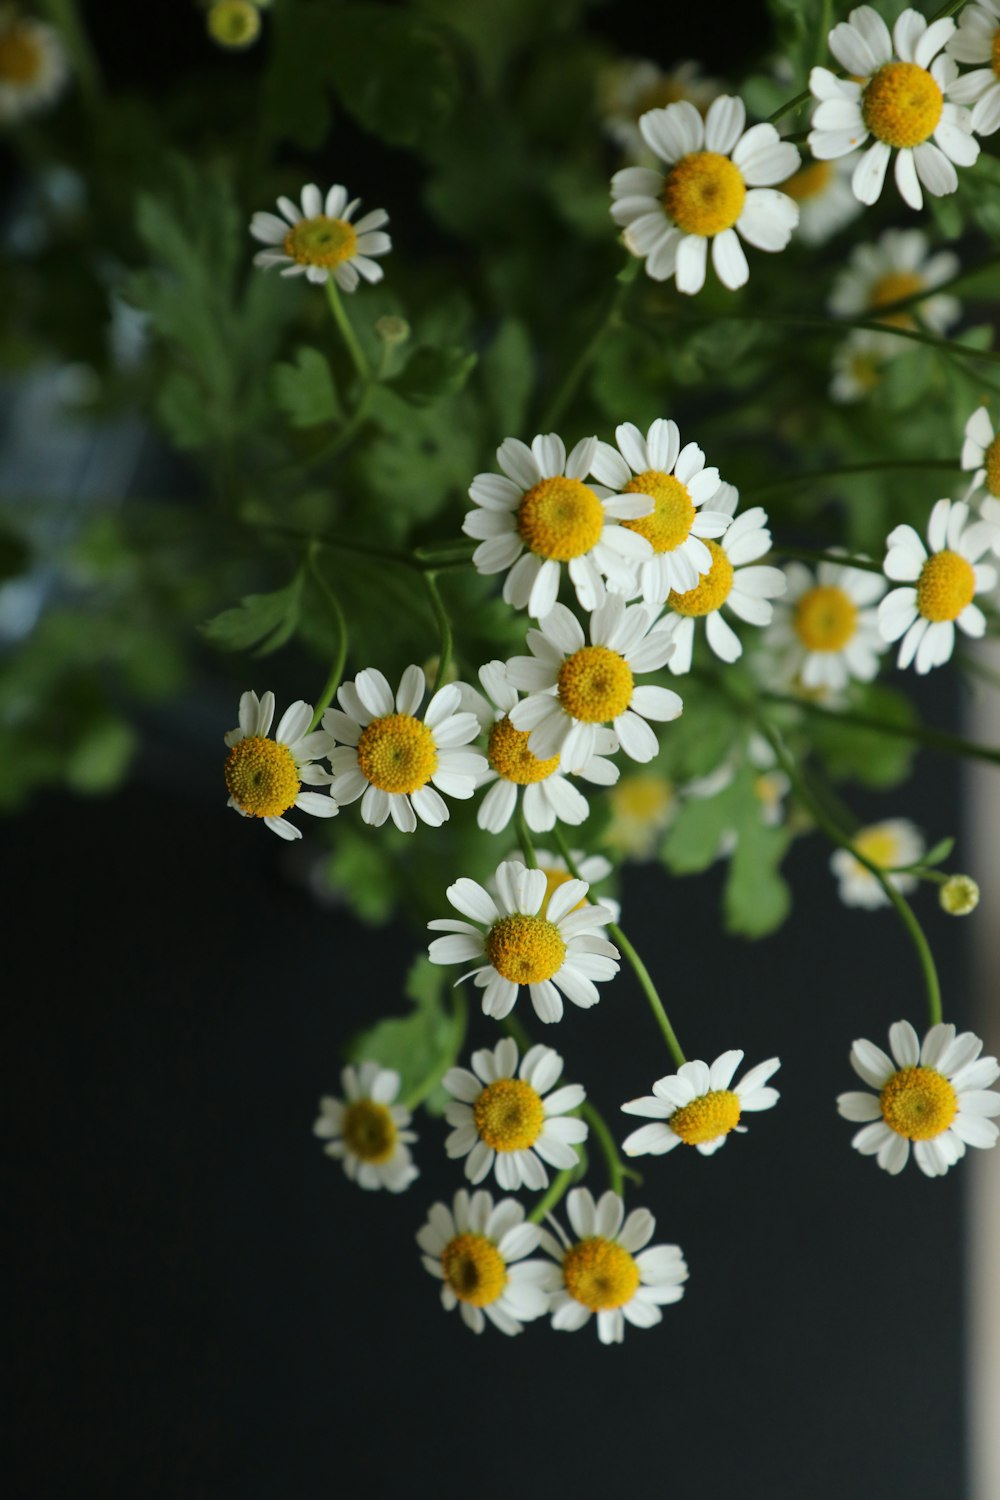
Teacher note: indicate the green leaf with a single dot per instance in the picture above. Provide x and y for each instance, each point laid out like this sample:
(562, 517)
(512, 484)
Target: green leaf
(266, 621)
(694, 839)
(394, 72)
(432, 373)
(508, 376)
(305, 390)
(864, 755)
(184, 412)
(757, 899)
(934, 856)
(420, 1046)
(296, 106)
(100, 759)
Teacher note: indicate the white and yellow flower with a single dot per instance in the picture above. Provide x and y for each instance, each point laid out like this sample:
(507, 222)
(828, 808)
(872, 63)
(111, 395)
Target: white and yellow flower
(633, 86)
(393, 759)
(642, 808)
(696, 1106)
(539, 515)
(898, 92)
(939, 586)
(899, 264)
(33, 66)
(937, 1096)
(574, 688)
(677, 483)
(548, 795)
(321, 240)
(606, 1270)
(507, 1120)
(367, 1131)
(264, 776)
(892, 844)
(977, 40)
(730, 581)
(858, 365)
(476, 1250)
(561, 953)
(592, 868)
(822, 189)
(826, 626)
(718, 187)
(981, 452)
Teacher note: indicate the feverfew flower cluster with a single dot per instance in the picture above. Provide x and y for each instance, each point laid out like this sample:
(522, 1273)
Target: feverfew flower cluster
(609, 554)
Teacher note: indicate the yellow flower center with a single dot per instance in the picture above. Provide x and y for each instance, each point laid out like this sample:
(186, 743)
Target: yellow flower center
(595, 684)
(768, 789)
(713, 590)
(600, 1274)
(919, 1103)
(946, 585)
(509, 1115)
(641, 797)
(474, 1269)
(560, 518)
(553, 880)
(526, 950)
(992, 462)
(879, 844)
(893, 287)
(397, 753)
(995, 59)
(369, 1131)
(704, 193)
(825, 618)
(809, 181)
(234, 23)
(20, 56)
(262, 777)
(321, 242)
(707, 1117)
(901, 104)
(673, 512)
(510, 757)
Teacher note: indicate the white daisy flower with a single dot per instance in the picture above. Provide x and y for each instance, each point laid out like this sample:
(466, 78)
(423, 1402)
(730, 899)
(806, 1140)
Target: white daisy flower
(718, 187)
(592, 868)
(977, 40)
(564, 950)
(696, 1107)
(898, 265)
(822, 189)
(981, 451)
(899, 94)
(476, 1250)
(826, 627)
(677, 483)
(396, 759)
(539, 514)
(939, 586)
(574, 687)
(33, 66)
(745, 590)
(264, 777)
(547, 794)
(506, 1119)
(367, 1131)
(606, 1270)
(321, 240)
(633, 86)
(858, 365)
(890, 845)
(937, 1095)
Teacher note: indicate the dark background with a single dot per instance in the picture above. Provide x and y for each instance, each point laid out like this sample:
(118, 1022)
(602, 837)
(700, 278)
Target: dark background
(203, 1305)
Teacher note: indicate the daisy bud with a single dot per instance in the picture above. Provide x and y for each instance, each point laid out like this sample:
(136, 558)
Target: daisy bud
(234, 23)
(392, 330)
(959, 895)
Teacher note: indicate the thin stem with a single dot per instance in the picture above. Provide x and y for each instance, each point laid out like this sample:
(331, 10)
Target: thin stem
(337, 668)
(638, 967)
(823, 30)
(347, 333)
(824, 324)
(556, 1192)
(786, 109)
(934, 739)
(842, 560)
(524, 838)
(444, 627)
(609, 1148)
(965, 273)
(427, 1085)
(844, 471)
(334, 444)
(567, 389)
(837, 836)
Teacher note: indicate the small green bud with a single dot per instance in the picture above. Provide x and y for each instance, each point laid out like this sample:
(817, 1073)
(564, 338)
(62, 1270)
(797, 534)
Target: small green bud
(959, 895)
(234, 23)
(392, 330)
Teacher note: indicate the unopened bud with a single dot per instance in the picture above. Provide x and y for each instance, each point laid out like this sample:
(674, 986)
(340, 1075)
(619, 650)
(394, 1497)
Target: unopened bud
(392, 330)
(234, 23)
(959, 895)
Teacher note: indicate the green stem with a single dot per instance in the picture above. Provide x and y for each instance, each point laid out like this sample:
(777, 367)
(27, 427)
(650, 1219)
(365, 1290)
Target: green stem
(606, 1141)
(334, 444)
(571, 381)
(837, 836)
(822, 324)
(556, 1192)
(347, 333)
(965, 273)
(444, 628)
(524, 838)
(337, 669)
(638, 967)
(786, 109)
(844, 471)
(823, 30)
(934, 739)
(842, 560)
(427, 1085)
